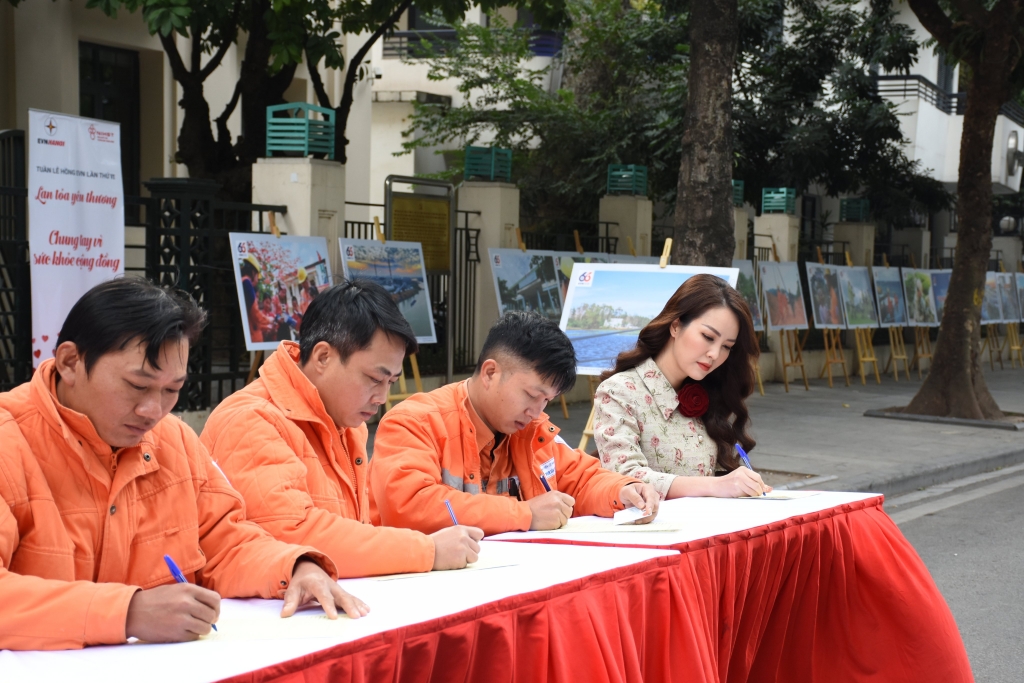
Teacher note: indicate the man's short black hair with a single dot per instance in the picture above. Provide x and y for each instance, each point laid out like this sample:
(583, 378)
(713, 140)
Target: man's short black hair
(117, 312)
(536, 341)
(347, 315)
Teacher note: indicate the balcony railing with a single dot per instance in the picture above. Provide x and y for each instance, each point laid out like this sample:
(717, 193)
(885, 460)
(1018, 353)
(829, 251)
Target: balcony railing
(915, 85)
(410, 44)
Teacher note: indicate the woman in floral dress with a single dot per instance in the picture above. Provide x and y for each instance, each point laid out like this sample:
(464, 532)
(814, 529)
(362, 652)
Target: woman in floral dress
(673, 408)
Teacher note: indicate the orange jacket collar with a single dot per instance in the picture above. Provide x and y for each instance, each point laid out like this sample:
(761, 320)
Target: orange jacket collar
(290, 389)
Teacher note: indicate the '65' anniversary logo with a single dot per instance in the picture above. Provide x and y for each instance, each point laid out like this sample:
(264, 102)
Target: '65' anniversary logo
(585, 278)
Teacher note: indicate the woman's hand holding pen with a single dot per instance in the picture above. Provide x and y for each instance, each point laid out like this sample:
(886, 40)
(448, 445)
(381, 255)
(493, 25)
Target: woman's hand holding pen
(739, 483)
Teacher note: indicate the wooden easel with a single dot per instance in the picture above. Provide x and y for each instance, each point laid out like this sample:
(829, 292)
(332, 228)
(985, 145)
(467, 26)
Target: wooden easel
(922, 341)
(1014, 345)
(865, 345)
(403, 387)
(897, 348)
(834, 354)
(522, 247)
(257, 358)
(588, 429)
(757, 367)
(790, 341)
(992, 344)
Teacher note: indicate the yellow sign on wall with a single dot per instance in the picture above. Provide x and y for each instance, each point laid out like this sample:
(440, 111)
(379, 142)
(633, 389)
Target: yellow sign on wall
(416, 218)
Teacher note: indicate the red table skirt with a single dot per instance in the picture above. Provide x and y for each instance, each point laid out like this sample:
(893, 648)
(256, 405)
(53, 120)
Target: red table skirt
(643, 622)
(834, 596)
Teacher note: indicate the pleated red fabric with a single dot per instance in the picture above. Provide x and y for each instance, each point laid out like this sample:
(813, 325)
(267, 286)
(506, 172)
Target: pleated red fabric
(644, 622)
(837, 596)
(834, 596)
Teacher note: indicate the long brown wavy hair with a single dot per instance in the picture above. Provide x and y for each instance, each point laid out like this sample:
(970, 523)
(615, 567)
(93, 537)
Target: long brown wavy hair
(730, 384)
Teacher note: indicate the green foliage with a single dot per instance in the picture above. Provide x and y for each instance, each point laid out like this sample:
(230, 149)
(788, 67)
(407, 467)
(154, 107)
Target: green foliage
(626, 107)
(805, 107)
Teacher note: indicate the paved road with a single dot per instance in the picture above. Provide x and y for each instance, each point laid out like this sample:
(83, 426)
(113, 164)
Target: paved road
(970, 534)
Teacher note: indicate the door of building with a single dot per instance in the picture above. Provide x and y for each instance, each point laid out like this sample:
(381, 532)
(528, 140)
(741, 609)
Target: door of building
(108, 87)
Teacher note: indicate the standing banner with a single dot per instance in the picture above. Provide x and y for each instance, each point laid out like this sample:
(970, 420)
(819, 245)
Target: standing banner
(75, 216)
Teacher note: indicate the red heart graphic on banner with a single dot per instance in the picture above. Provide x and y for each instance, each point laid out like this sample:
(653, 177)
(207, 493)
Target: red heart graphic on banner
(46, 337)
(36, 353)
(33, 340)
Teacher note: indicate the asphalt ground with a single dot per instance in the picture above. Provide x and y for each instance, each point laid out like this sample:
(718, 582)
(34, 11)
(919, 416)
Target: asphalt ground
(970, 534)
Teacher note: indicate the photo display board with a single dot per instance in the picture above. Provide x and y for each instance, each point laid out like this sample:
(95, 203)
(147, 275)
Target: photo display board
(858, 297)
(608, 304)
(919, 294)
(991, 306)
(746, 285)
(892, 305)
(1008, 297)
(783, 295)
(399, 268)
(276, 278)
(940, 288)
(527, 281)
(1020, 292)
(826, 298)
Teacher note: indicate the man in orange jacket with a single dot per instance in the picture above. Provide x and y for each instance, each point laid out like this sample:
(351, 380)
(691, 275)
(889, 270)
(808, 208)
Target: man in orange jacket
(489, 435)
(293, 442)
(99, 483)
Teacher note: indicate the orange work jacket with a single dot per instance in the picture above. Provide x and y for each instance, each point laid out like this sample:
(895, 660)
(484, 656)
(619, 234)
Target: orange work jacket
(425, 452)
(84, 527)
(302, 479)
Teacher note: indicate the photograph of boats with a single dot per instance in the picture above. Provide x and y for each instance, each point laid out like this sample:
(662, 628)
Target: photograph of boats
(398, 267)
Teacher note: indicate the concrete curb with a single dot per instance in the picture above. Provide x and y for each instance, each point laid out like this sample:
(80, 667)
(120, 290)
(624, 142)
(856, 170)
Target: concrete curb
(985, 424)
(915, 478)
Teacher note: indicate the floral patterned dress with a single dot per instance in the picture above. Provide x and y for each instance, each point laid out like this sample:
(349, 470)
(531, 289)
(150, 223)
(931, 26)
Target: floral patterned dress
(639, 432)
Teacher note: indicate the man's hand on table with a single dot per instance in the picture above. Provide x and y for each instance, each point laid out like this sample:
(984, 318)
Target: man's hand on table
(456, 546)
(641, 496)
(550, 511)
(310, 582)
(171, 614)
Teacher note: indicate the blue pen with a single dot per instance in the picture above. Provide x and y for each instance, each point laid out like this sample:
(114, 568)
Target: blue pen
(544, 480)
(451, 512)
(178, 576)
(746, 461)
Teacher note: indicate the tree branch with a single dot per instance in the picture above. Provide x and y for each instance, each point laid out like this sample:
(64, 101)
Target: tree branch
(318, 84)
(178, 70)
(934, 20)
(345, 106)
(197, 50)
(974, 12)
(222, 120)
(218, 56)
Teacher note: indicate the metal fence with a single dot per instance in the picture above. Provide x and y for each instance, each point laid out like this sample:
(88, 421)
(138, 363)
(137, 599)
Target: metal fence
(187, 247)
(540, 232)
(15, 286)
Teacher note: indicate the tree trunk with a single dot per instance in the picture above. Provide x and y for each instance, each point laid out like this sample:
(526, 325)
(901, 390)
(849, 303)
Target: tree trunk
(704, 233)
(195, 140)
(955, 386)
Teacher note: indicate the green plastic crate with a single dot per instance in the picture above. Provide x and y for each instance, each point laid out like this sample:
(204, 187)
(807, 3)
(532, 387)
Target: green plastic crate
(489, 163)
(627, 179)
(737, 193)
(855, 210)
(778, 200)
(299, 132)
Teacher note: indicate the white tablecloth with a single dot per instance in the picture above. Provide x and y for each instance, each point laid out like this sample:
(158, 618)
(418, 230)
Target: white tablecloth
(394, 604)
(700, 518)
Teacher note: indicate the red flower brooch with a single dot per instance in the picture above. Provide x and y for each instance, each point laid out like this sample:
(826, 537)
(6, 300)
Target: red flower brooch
(693, 400)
